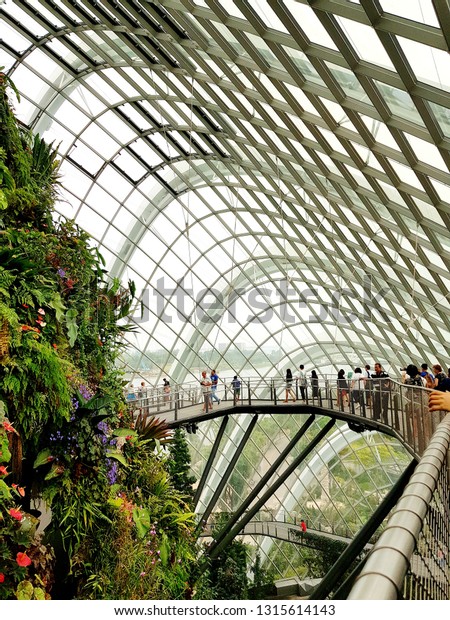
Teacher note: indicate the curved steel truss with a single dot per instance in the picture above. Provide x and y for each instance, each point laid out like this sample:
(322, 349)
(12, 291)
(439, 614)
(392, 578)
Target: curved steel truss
(273, 175)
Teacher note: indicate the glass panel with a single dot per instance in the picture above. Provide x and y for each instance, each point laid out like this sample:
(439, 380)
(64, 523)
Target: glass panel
(442, 116)
(310, 24)
(303, 64)
(365, 42)
(418, 10)
(400, 103)
(84, 156)
(69, 57)
(100, 141)
(430, 65)
(405, 174)
(426, 152)
(28, 22)
(348, 82)
(14, 39)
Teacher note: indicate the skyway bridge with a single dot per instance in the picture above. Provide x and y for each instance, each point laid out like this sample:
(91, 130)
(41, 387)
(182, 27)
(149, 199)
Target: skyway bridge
(410, 558)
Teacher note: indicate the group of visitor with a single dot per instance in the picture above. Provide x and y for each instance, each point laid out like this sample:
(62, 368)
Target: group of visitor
(360, 386)
(434, 379)
(209, 389)
(302, 382)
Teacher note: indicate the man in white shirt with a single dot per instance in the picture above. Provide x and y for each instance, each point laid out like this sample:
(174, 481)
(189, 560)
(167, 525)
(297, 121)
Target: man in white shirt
(302, 381)
(357, 386)
(205, 382)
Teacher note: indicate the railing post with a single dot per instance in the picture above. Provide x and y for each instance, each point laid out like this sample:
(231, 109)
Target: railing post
(249, 393)
(330, 394)
(274, 393)
(176, 403)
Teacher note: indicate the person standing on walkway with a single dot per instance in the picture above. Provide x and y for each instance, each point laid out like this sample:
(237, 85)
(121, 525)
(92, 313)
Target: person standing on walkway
(302, 381)
(381, 389)
(368, 384)
(205, 382)
(166, 390)
(303, 528)
(289, 390)
(357, 386)
(314, 384)
(342, 389)
(236, 385)
(214, 382)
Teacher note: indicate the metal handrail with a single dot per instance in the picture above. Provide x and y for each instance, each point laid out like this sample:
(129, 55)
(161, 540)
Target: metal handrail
(385, 574)
(401, 408)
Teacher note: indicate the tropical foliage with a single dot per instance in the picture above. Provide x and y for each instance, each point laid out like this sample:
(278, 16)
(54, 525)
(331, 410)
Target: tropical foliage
(69, 448)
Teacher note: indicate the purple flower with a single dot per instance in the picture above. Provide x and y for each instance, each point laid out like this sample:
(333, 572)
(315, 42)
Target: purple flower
(85, 392)
(113, 471)
(103, 428)
(61, 273)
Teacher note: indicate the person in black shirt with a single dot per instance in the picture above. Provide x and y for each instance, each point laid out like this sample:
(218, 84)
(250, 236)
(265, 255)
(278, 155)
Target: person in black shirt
(381, 389)
(315, 384)
(342, 389)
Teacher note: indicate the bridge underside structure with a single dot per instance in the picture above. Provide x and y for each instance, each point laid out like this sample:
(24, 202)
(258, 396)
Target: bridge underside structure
(283, 467)
(262, 468)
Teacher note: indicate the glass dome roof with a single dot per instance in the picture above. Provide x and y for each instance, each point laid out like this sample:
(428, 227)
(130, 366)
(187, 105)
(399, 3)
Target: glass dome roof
(274, 176)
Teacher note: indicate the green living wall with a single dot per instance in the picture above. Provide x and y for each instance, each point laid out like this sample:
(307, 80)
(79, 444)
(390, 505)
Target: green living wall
(120, 528)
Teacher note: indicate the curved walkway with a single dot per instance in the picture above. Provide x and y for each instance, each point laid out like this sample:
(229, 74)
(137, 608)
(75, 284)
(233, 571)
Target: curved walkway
(389, 407)
(285, 531)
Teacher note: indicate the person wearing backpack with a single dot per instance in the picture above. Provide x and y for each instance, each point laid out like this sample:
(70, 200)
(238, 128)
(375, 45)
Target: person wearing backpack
(413, 377)
(236, 385)
(428, 377)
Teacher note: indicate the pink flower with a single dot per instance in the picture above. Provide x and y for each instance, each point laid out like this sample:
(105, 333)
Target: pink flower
(41, 311)
(15, 514)
(142, 574)
(8, 428)
(22, 559)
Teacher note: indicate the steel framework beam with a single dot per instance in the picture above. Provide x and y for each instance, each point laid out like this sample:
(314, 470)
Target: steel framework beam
(210, 461)
(362, 538)
(229, 469)
(232, 532)
(265, 479)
